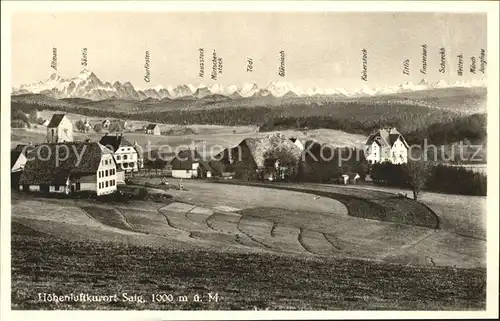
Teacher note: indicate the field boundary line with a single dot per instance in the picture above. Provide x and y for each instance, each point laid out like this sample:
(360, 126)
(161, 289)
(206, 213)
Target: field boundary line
(250, 236)
(300, 239)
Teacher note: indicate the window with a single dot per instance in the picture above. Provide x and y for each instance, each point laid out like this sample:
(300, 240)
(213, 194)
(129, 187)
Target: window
(56, 188)
(106, 183)
(117, 157)
(125, 165)
(131, 164)
(187, 170)
(99, 185)
(124, 156)
(106, 173)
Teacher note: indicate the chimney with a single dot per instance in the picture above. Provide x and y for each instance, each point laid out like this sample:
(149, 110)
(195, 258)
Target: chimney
(105, 134)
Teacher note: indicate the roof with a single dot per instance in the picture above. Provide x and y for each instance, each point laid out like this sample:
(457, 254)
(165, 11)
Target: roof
(151, 126)
(186, 158)
(386, 137)
(260, 146)
(23, 148)
(83, 158)
(350, 175)
(56, 120)
(14, 156)
(114, 142)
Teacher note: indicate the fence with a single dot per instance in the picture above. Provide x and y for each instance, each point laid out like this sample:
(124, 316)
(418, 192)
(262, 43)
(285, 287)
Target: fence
(151, 172)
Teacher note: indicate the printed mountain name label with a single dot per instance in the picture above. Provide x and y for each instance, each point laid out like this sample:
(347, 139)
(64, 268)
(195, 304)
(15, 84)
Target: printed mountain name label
(482, 61)
(281, 68)
(201, 58)
(216, 66)
(460, 65)
(406, 67)
(423, 70)
(364, 59)
(53, 63)
(84, 57)
(442, 64)
(147, 76)
(249, 64)
(472, 67)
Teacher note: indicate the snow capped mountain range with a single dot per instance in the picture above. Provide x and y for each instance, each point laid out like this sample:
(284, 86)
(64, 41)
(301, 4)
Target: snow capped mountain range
(87, 85)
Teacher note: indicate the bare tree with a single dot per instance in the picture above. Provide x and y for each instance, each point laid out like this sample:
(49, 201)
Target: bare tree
(418, 172)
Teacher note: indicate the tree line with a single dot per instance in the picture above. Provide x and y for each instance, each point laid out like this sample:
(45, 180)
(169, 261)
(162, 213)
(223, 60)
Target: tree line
(430, 177)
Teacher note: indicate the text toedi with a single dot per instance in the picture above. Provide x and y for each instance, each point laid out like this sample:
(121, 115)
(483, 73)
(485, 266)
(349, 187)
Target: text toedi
(126, 297)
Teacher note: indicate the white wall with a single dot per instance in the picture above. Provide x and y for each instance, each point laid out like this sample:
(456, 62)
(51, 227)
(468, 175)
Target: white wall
(373, 152)
(132, 157)
(62, 133)
(63, 189)
(106, 164)
(182, 173)
(399, 152)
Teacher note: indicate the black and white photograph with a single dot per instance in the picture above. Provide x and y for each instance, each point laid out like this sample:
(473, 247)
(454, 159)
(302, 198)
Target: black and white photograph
(234, 159)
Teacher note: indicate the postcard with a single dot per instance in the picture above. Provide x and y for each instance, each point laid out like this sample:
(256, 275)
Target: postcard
(215, 160)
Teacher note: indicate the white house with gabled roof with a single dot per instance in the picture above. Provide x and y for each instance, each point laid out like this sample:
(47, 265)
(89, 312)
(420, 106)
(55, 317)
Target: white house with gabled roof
(386, 145)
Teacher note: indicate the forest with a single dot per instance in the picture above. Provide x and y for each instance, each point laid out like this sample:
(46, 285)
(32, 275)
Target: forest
(415, 122)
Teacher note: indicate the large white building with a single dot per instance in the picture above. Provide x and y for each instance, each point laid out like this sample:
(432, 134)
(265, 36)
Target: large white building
(89, 166)
(386, 145)
(59, 129)
(126, 155)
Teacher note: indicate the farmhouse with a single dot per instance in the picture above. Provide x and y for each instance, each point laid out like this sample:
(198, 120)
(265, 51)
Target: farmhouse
(125, 153)
(70, 167)
(153, 129)
(189, 164)
(263, 157)
(59, 129)
(386, 145)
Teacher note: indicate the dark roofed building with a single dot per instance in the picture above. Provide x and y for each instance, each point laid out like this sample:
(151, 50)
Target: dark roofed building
(70, 167)
(114, 142)
(189, 164)
(59, 129)
(126, 155)
(153, 129)
(56, 119)
(386, 145)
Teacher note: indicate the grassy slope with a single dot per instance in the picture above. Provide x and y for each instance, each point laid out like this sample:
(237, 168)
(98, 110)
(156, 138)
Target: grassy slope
(375, 205)
(42, 263)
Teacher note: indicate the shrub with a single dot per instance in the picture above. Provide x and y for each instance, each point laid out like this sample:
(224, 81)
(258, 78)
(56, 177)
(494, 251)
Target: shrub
(142, 193)
(19, 115)
(17, 123)
(98, 128)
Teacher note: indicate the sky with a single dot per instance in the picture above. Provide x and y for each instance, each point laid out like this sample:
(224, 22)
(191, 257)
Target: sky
(322, 49)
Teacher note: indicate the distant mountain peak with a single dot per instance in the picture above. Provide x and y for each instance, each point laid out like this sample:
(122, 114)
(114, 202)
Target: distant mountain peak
(87, 85)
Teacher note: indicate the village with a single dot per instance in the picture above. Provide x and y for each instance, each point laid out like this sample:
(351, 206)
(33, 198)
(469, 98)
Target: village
(107, 163)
